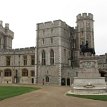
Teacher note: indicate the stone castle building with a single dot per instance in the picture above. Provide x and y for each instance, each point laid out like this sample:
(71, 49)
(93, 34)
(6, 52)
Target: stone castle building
(16, 65)
(55, 60)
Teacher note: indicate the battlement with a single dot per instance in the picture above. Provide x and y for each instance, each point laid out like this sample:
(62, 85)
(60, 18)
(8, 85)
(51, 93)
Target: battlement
(24, 49)
(51, 24)
(85, 16)
(6, 25)
(18, 50)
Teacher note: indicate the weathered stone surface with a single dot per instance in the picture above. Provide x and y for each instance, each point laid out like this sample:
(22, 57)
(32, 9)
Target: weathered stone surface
(88, 80)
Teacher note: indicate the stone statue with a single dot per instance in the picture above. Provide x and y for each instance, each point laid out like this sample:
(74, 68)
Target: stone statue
(85, 48)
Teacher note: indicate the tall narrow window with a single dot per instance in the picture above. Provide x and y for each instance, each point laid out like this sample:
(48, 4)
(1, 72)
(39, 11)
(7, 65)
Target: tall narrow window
(43, 58)
(25, 59)
(64, 55)
(43, 41)
(51, 40)
(8, 60)
(51, 30)
(51, 57)
(32, 59)
(32, 73)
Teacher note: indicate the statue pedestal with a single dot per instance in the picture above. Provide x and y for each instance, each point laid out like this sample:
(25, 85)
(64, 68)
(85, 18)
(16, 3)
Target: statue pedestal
(88, 80)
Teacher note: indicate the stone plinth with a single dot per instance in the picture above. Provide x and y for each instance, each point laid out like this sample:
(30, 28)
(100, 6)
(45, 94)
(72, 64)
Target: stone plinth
(88, 80)
(88, 69)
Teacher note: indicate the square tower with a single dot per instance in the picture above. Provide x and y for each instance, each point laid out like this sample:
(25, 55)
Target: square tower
(53, 51)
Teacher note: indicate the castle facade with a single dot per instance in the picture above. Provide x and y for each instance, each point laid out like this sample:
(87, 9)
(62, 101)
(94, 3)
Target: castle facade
(54, 60)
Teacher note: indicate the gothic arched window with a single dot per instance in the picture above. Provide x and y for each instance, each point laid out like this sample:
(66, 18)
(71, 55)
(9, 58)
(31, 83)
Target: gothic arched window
(51, 57)
(47, 79)
(43, 58)
(64, 55)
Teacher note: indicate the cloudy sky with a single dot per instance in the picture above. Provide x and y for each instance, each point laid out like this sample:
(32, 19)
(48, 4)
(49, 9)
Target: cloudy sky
(23, 15)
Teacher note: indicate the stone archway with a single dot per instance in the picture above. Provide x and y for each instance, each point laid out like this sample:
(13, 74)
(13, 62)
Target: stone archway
(63, 81)
(47, 78)
(68, 81)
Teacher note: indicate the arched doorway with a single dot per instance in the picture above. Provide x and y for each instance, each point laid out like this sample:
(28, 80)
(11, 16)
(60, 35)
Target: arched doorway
(63, 82)
(47, 79)
(68, 81)
(32, 80)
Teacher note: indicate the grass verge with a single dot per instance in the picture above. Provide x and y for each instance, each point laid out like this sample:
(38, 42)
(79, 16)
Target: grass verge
(10, 91)
(94, 97)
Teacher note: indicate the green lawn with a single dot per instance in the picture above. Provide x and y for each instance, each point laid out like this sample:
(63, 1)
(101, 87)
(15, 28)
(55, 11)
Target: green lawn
(10, 91)
(94, 97)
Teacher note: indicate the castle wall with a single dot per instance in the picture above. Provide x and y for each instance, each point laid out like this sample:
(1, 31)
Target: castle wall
(64, 40)
(17, 64)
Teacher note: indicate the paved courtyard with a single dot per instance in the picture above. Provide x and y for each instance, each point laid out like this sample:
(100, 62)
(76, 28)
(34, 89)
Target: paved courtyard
(49, 96)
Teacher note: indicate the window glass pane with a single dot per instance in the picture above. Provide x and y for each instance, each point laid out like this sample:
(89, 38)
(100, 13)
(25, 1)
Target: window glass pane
(32, 59)
(51, 57)
(24, 60)
(43, 58)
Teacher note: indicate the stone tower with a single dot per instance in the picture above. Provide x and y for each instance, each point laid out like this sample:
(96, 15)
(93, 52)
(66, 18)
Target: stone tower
(85, 29)
(53, 51)
(6, 36)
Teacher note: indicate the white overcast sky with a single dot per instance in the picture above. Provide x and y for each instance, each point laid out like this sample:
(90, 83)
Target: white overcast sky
(23, 15)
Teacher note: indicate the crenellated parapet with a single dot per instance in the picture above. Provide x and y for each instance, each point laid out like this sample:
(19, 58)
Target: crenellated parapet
(84, 16)
(51, 24)
(17, 51)
(25, 49)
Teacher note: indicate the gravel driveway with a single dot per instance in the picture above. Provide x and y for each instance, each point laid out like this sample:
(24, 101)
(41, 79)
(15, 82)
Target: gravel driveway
(50, 96)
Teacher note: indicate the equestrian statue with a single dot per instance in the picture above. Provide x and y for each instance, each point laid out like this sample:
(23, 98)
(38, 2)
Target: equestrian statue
(84, 49)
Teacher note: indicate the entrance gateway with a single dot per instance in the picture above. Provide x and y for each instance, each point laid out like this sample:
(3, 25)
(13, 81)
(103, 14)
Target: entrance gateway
(65, 81)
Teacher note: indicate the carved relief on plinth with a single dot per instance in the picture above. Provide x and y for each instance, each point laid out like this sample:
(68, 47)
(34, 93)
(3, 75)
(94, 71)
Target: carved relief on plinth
(88, 64)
